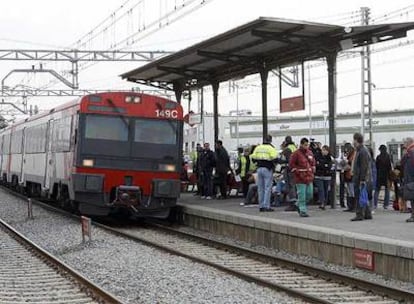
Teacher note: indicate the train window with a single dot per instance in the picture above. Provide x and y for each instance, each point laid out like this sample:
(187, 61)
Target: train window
(6, 144)
(106, 127)
(155, 131)
(61, 134)
(36, 139)
(16, 142)
(95, 98)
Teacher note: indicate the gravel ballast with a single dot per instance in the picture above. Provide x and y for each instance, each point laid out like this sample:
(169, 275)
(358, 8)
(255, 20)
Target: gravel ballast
(357, 273)
(133, 272)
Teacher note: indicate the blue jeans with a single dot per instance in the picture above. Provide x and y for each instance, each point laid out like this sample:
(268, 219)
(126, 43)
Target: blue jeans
(386, 197)
(250, 194)
(323, 190)
(264, 186)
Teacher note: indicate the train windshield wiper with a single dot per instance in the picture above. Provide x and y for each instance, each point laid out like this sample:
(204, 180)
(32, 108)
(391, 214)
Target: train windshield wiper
(124, 119)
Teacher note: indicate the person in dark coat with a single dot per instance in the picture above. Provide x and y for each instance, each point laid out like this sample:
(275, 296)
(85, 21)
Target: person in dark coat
(349, 185)
(197, 169)
(361, 176)
(207, 164)
(222, 167)
(407, 165)
(323, 175)
(384, 167)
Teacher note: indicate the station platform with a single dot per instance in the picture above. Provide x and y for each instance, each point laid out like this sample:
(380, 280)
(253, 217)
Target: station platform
(384, 245)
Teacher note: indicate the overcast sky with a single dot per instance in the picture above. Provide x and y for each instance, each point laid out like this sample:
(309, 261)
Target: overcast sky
(46, 24)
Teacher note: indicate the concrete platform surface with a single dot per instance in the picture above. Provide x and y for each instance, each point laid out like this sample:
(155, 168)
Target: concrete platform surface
(387, 224)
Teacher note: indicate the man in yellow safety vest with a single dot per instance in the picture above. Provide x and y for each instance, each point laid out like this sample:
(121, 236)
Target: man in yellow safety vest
(264, 156)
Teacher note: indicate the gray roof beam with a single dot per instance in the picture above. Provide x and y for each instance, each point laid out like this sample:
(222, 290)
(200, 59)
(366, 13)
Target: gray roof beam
(190, 73)
(223, 56)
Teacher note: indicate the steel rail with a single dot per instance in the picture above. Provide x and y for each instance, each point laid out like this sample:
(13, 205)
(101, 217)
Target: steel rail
(398, 294)
(98, 293)
(279, 287)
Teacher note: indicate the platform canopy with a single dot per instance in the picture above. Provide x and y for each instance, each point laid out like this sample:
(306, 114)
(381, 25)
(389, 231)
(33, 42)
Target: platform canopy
(265, 43)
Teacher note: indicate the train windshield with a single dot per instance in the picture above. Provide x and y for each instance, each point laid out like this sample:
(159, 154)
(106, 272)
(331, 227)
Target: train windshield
(128, 138)
(162, 132)
(106, 127)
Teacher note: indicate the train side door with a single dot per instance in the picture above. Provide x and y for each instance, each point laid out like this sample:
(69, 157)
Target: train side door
(23, 150)
(1, 152)
(49, 155)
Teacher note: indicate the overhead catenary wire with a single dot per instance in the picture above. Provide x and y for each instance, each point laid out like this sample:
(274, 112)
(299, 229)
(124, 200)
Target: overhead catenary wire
(393, 14)
(172, 16)
(79, 41)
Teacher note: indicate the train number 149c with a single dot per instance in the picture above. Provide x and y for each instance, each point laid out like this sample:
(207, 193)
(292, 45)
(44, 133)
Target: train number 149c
(166, 113)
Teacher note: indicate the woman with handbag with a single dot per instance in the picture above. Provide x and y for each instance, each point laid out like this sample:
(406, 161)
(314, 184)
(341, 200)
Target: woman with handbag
(407, 164)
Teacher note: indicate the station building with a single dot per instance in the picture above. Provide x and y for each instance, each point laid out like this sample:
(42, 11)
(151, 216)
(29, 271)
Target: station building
(389, 128)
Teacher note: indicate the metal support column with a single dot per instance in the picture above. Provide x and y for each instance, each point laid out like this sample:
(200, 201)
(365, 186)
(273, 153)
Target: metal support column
(75, 74)
(263, 75)
(215, 109)
(178, 90)
(202, 114)
(189, 100)
(331, 61)
(366, 84)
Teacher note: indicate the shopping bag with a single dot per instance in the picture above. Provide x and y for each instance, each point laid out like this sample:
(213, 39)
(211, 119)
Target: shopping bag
(363, 196)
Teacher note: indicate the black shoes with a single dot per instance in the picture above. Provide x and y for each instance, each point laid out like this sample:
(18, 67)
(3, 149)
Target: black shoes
(303, 214)
(266, 210)
(357, 219)
(349, 210)
(291, 208)
(322, 207)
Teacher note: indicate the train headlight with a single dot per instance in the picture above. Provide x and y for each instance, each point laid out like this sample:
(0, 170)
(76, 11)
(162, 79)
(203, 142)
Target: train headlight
(128, 99)
(88, 162)
(137, 99)
(167, 167)
(133, 99)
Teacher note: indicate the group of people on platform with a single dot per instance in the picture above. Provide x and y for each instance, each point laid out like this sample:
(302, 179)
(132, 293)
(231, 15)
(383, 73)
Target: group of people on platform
(269, 178)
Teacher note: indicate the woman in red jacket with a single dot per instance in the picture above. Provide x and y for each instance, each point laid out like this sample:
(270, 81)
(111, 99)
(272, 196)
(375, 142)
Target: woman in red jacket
(302, 164)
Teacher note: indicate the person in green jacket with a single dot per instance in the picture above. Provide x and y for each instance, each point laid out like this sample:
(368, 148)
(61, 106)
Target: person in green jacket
(244, 170)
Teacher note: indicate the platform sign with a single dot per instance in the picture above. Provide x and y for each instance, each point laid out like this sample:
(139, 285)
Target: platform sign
(86, 224)
(292, 104)
(364, 259)
(194, 119)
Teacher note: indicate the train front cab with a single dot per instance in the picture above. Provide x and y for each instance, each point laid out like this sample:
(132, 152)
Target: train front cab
(128, 160)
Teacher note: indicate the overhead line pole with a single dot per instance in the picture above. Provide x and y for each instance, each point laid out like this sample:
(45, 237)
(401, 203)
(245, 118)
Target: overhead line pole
(366, 85)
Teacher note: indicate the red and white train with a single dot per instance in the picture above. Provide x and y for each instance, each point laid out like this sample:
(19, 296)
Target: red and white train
(99, 154)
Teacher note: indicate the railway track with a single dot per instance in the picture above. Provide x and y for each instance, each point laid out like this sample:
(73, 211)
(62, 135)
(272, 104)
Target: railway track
(305, 282)
(28, 274)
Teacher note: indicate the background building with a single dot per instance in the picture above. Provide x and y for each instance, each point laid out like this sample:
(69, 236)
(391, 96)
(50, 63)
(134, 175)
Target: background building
(389, 128)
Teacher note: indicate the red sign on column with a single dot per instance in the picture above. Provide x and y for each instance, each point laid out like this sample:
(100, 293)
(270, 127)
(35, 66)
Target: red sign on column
(364, 259)
(292, 104)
